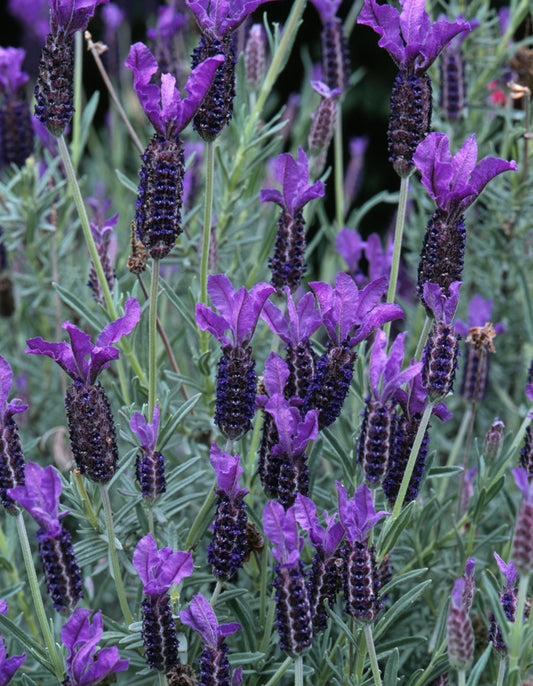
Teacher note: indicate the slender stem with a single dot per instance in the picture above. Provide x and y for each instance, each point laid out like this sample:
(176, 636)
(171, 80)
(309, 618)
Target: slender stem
(37, 598)
(152, 341)
(280, 672)
(208, 213)
(84, 497)
(501, 671)
(423, 338)
(398, 238)
(467, 447)
(372, 654)
(516, 632)
(78, 79)
(298, 671)
(252, 452)
(339, 172)
(412, 460)
(200, 517)
(162, 678)
(112, 93)
(461, 677)
(28, 612)
(216, 593)
(113, 557)
(150, 515)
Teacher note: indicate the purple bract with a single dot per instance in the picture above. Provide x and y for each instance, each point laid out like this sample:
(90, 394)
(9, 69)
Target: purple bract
(508, 571)
(281, 529)
(201, 617)
(299, 322)
(387, 368)
(69, 16)
(146, 432)
(218, 18)
(325, 540)
(479, 312)
(159, 569)
(228, 470)
(7, 410)
(442, 307)
(358, 515)
(11, 75)
(327, 9)
(40, 496)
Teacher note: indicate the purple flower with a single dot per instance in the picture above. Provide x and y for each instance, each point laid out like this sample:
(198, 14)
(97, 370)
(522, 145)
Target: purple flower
(106, 246)
(40, 496)
(281, 529)
(218, 18)
(386, 376)
(300, 321)
(71, 357)
(409, 37)
(163, 105)
(324, 539)
(160, 568)
(113, 17)
(12, 78)
(169, 22)
(358, 515)
(201, 617)
(150, 463)
(350, 246)
(455, 182)
(459, 630)
(442, 307)
(508, 571)
(293, 177)
(86, 664)
(8, 665)
(69, 16)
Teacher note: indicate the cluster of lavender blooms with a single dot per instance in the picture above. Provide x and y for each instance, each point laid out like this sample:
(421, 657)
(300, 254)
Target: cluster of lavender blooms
(316, 384)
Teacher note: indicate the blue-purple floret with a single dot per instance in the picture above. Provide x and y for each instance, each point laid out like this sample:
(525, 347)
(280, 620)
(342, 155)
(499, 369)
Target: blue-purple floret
(63, 576)
(160, 637)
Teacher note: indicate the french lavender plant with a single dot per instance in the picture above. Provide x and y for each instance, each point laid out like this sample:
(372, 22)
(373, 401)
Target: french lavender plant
(459, 631)
(414, 43)
(103, 234)
(149, 463)
(509, 600)
(90, 420)
(159, 195)
(323, 124)
(54, 92)
(40, 497)
(11, 456)
(236, 378)
(335, 58)
(287, 264)
(16, 130)
(454, 182)
(86, 663)
(158, 569)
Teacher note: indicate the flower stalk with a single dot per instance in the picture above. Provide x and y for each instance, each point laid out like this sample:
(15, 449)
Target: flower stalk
(398, 239)
(208, 213)
(152, 339)
(372, 654)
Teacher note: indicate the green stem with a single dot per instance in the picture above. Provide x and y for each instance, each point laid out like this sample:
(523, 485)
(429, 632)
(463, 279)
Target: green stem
(78, 78)
(339, 176)
(280, 672)
(37, 599)
(152, 341)
(216, 593)
(208, 213)
(501, 672)
(398, 238)
(162, 678)
(423, 338)
(113, 556)
(461, 677)
(412, 460)
(84, 497)
(298, 671)
(201, 517)
(516, 632)
(372, 654)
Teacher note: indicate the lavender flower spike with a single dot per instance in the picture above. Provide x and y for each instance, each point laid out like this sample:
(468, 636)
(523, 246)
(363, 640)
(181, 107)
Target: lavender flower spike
(522, 541)
(150, 463)
(11, 457)
(86, 664)
(16, 130)
(236, 379)
(214, 665)
(335, 60)
(459, 629)
(40, 497)
(287, 264)
(158, 570)
(90, 421)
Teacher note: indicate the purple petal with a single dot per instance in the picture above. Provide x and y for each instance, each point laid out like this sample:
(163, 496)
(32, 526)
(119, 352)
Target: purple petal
(276, 321)
(222, 294)
(523, 483)
(59, 352)
(327, 9)
(378, 360)
(72, 15)
(385, 20)
(271, 195)
(508, 571)
(208, 320)
(146, 432)
(227, 469)
(457, 593)
(121, 326)
(8, 665)
(201, 617)
(350, 246)
(106, 662)
(40, 495)
(196, 87)
(145, 558)
(485, 171)
(281, 529)
(276, 374)
(6, 381)
(439, 35)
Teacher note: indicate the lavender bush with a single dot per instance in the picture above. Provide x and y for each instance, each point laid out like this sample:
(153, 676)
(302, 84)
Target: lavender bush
(234, 474)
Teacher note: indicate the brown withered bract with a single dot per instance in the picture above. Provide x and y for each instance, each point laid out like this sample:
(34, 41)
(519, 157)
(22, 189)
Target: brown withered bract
(481, 338)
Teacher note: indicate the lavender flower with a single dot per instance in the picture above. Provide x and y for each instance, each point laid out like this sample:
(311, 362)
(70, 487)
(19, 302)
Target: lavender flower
(492, 444)
(522, 541)
(335, 59)
(325, 577)
(323, 126)
(414, 43)
(287, 264)
(459, 629)
(214, 664)
(11, 457)
(217, 20)
(442, 348)
(386, 377)
(54, 92)
(354, 171)
(360, 574)
(87, 665)
(236, 379)
(254, 56)
(453, 86)
(349, 316)
(150, 463)
(16, 130)
(104, 238)
(293, 610)
(40, 497)
(228, 548)
(90, 421)
(34, 15)
(8, 665)
(158, 570)
(454, 182)
(509, 602)
(159, 195)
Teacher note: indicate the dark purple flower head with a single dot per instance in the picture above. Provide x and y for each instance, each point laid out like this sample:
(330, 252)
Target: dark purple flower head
(7, 410)
(86, 664)
(327, 9)
(325, 540)
(358, 515)
(159, 569)
(40, 496)
(8, 665)
(145, 431)
(239, 310)
(293, 177)
(69, 16)
(479, 312)
(414, 399)
(11, 75)
(294, 432)
(163, 105)
(282, 531)
(387, 368)
(455, 182)
(228, 470)
(201, 617)
(442, 307)
(508, 571)
(299, 322)
(409, 37)
(345, 308)
(71, 357)
(218, 18)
